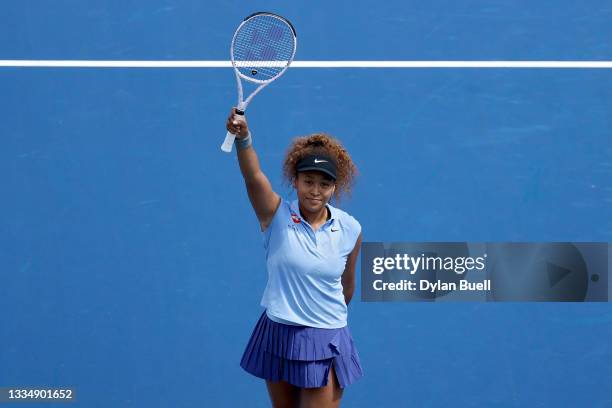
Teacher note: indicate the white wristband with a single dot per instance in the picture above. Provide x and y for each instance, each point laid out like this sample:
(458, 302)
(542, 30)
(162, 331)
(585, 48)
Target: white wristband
(244, 143)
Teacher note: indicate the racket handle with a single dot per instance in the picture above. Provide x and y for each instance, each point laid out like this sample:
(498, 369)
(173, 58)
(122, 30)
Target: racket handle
(230, 137)
(228, 142)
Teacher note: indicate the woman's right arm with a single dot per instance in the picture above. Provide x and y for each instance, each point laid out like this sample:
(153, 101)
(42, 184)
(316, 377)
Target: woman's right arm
(263, 199)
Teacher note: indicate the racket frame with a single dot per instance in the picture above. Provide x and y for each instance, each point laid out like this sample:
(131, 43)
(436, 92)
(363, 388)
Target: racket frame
(242, 104)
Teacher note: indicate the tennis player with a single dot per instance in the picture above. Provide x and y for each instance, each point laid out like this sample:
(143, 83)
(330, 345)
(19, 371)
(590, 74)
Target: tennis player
(301, 345)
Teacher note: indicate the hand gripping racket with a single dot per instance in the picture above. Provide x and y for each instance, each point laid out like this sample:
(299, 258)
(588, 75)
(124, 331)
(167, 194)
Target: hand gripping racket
(262, 49)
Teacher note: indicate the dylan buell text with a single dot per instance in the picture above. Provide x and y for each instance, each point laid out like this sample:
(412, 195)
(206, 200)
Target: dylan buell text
(428, 286)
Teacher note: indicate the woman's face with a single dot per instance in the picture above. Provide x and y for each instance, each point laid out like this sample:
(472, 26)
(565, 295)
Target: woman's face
(314, 190)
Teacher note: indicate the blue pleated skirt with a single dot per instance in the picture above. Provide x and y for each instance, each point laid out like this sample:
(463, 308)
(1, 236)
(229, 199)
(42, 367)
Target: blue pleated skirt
(301, 355)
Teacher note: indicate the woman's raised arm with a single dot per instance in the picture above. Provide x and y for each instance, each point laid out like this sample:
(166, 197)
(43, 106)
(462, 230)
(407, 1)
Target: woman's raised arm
(263, 199)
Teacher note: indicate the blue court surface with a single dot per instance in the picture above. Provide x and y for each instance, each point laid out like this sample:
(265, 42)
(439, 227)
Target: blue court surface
(131, 263)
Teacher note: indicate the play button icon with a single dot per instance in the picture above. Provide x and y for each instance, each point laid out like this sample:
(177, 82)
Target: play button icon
(556, 273)
(537, 272)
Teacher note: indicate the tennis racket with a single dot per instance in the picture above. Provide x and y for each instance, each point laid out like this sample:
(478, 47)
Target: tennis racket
(262, 49)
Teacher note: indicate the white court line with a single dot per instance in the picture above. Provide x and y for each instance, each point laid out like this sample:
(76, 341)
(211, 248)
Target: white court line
(306, 64)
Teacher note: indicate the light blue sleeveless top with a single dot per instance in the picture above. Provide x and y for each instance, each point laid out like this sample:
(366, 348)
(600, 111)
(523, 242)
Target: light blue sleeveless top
(305, 267)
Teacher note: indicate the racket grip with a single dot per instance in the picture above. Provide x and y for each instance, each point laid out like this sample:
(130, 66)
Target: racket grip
(228, 142)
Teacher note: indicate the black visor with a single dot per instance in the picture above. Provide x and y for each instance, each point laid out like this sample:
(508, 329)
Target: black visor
(318, 162)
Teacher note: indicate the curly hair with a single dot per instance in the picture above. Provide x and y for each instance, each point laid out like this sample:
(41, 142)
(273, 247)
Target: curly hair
(321, 143)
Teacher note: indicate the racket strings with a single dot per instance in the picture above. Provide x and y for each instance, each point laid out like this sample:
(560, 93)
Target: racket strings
(263, 47)
(267, 59)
